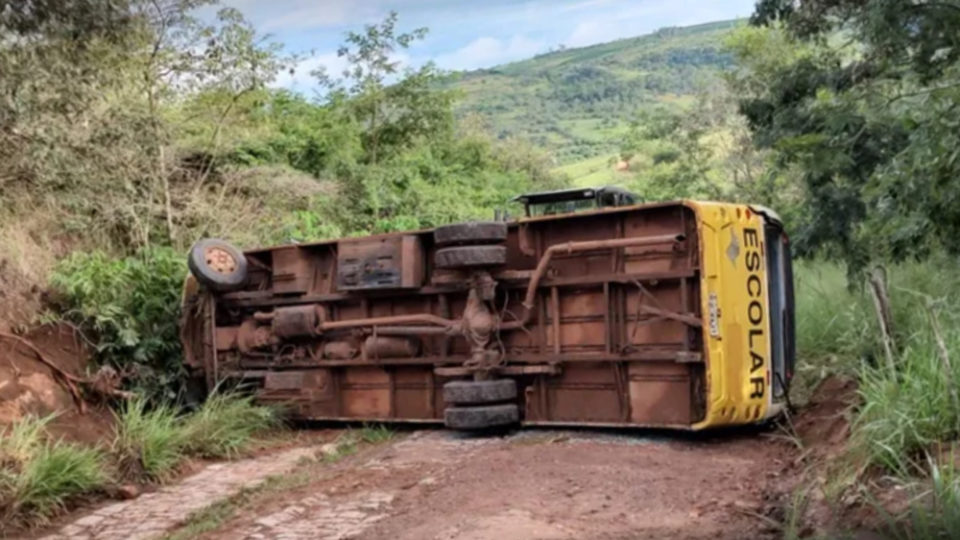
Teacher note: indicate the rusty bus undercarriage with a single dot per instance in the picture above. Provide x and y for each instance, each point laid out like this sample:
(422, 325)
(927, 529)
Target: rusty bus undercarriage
(589, 318)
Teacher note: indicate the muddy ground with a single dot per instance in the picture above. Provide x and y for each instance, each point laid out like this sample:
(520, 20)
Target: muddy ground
(569, 484)
(533, 484)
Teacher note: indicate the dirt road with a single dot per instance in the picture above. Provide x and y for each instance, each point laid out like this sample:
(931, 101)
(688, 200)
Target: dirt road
(532, 484)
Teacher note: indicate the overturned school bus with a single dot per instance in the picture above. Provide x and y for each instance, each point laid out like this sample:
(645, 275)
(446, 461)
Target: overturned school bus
(675, 314)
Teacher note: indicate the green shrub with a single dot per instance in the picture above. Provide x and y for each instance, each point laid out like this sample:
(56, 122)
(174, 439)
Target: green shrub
(225, 424)
(37, 476)
(150, 442)
(130, 308)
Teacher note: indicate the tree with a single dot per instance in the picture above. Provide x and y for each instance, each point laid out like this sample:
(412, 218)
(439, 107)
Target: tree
(89, 102)
(394, 105)
(681, 161)
(860, 96)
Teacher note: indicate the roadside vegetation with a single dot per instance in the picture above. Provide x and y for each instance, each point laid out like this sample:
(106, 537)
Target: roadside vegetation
(852, 103)
(40, 476)
(126, 134)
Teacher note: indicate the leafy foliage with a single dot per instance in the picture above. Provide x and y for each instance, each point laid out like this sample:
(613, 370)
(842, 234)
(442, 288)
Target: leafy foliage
(861, 97)
(130, 307)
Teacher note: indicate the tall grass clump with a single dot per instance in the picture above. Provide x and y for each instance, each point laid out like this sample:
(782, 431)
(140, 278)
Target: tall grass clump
(834, 321)
(907, 411)
(38, 476)
(150, 441)
(225, 424)
(153, 440)
(837, 329)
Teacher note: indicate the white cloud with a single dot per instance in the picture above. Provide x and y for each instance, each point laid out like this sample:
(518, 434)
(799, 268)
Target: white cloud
(489, 51)
(635, 19)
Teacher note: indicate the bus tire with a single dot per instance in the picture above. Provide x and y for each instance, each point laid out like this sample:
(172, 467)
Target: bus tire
(483, 417)
(479, 392)
(217, 265)
(460, 257)
(471, 232)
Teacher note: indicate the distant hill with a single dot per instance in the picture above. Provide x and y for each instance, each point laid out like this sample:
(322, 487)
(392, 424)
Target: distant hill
(576, 103)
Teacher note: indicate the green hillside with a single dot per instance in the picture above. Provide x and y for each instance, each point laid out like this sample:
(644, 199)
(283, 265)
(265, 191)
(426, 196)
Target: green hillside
(577, 103)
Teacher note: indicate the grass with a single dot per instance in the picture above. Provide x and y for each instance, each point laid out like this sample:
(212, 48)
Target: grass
(906, 413)
(150, 442)
(153, 442)
(837, 329)
(225, 425)
(376, 434)
(38, 476)
(793, 520)
(346, 445)
(934, 510)
(909, 411)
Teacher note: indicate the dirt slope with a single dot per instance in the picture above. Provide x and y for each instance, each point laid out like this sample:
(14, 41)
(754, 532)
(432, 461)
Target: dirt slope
(534, 484)
(28, 387)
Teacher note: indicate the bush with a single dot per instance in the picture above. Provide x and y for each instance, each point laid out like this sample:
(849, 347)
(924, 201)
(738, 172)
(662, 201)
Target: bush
(225, 424)
(130, 308)
(38, 476)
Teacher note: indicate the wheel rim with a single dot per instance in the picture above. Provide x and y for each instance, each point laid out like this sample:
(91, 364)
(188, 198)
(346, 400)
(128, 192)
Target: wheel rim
(220, 260)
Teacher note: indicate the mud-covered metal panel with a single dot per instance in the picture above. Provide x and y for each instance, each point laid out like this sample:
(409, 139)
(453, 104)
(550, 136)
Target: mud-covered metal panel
(309, 393)
(292, 270)
(365, 392)
(394, 262)
(585, 393)
(660, 393)
(414, 393)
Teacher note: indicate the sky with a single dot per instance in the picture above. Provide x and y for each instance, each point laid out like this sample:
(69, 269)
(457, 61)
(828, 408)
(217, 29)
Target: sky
(466, 35)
